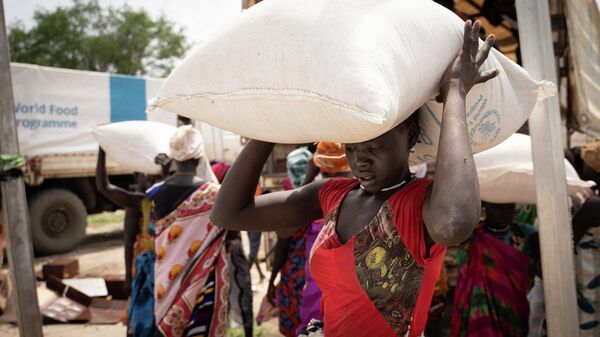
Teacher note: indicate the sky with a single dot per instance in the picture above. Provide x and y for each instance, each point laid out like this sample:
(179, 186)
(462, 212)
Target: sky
(200, 18)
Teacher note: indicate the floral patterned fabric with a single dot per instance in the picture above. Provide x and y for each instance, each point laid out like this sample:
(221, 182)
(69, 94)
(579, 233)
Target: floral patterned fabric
(496, 273)
(289, 289)
(144, 241)
(588, 283)
(191, 278)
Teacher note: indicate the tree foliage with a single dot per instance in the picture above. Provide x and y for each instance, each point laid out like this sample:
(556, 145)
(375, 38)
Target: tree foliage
(86, 36)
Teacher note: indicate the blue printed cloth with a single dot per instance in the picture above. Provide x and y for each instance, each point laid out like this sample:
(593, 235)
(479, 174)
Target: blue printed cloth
(140, 321)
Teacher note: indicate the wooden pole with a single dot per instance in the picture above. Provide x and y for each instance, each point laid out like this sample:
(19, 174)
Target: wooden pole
(558, 270)
(14, 207)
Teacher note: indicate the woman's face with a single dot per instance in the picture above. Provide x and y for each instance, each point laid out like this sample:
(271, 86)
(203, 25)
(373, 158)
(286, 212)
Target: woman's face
(383, 161)
(298, 171)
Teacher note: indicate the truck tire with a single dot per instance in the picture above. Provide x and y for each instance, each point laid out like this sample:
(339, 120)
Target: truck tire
(58, 220)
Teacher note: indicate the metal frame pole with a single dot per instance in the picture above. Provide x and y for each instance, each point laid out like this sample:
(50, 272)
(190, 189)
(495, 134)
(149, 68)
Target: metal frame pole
(14, 206)
(556, 244)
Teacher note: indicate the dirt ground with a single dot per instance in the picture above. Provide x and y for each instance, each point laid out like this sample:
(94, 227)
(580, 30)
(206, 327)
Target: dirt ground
(102, 254)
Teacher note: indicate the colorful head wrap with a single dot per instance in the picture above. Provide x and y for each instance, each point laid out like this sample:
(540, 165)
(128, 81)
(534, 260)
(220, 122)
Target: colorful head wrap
(297, 165)
(186, 144)
(591, 155)
(331, 158)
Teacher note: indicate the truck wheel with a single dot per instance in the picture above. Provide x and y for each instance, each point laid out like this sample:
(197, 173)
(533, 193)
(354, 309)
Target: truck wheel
(58, 220)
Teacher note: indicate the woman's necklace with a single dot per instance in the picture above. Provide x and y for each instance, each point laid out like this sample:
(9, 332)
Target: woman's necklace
(400, 184)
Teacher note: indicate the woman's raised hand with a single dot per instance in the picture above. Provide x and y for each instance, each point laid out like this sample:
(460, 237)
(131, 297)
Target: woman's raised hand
(464, 72)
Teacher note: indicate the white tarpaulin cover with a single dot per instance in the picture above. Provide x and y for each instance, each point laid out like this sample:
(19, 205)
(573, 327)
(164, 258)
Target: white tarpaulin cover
(583, 23)
(56, 108)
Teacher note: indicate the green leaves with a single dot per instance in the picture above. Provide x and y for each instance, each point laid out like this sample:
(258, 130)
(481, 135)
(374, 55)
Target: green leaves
(10, 162)
(89, 37)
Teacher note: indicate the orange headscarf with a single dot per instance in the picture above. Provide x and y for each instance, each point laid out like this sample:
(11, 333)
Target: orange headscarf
(331, 158)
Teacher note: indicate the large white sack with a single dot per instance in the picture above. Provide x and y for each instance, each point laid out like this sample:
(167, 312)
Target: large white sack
(293, 71)
(135, 144)
(506, 173)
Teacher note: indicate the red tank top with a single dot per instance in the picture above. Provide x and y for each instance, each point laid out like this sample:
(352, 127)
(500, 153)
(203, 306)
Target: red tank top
(380, 282)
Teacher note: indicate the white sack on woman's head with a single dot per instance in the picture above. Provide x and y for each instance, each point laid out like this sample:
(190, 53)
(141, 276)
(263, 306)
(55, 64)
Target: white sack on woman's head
(187, 144)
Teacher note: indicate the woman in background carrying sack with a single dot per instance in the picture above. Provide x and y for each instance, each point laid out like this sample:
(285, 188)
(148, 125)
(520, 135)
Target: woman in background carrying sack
(378, 256)
(497, 270)
(191, 284)
(137, 208)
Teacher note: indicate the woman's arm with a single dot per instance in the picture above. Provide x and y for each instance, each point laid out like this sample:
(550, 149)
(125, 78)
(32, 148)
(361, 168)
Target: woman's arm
(452, 206)
(313, 172)
(282, 248)
(115, 194)
(236, 208)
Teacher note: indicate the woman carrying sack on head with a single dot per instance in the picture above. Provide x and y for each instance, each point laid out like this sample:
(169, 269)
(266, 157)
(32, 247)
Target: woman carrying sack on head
(378, 256)
(191, 283)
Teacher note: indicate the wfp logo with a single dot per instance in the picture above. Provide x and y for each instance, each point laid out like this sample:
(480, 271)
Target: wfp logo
(483, 125)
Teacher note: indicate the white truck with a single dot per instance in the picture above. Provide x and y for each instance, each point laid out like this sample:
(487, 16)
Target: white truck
(55, 109)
